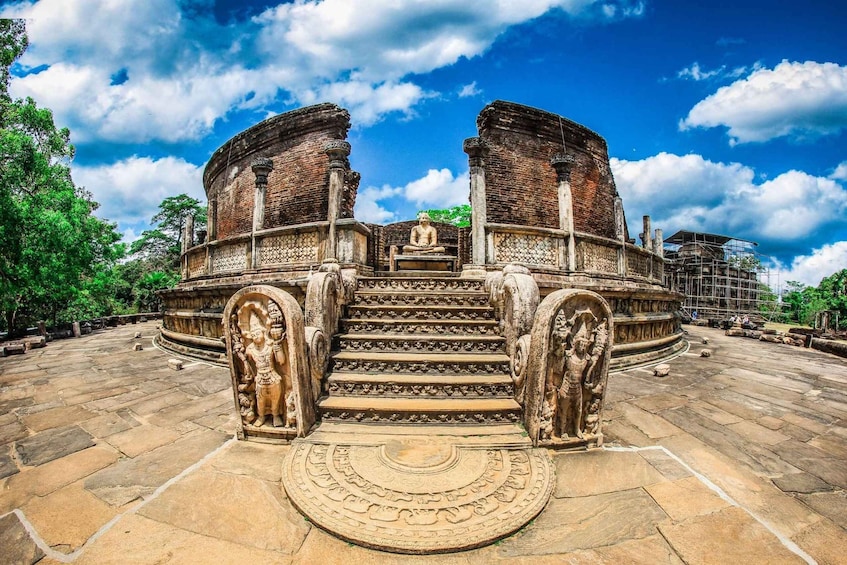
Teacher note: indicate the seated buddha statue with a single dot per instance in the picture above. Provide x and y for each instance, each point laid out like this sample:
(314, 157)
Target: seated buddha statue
(424, 238)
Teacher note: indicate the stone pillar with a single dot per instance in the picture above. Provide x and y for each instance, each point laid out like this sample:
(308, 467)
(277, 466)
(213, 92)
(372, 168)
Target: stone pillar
(646, 240)
(620, 234)
(261, 168)
(659, 243)
(189, 231)
(563, 163)
(338, 150)
(476, 150)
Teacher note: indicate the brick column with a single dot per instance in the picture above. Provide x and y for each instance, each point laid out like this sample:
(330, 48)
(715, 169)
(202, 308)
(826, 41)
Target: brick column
(338, 150)
(261, 168)
(476, 150)
(563, 164)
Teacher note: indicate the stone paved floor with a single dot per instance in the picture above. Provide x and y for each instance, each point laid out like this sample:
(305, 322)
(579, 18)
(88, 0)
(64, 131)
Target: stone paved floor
(109, 456)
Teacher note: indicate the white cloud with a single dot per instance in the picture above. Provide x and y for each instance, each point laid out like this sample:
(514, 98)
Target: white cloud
(439, 188)
(469, 90)
(368, 208)
(794, 99)
(692, 193)
(436, 189)
(185, 73)
(811, 269)
(130, 191)
(697, 73)
(840, 172)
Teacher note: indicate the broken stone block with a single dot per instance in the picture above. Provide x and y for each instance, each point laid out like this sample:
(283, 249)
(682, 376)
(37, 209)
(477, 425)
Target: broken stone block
(77, 330)
(662, 370)
(733, 331)
(705, 341)
(35, 342)
(137, 347)
(14, 349)
(137, 335)
(175, 364)
(706, 353)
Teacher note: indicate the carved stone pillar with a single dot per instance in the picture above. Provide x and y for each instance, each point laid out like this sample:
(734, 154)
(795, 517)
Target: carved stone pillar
(338, 150)
(476, 150)
(189, 232)
(261, 168)
(563, 163)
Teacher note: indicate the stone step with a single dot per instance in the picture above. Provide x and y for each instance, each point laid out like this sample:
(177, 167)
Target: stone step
(431, 343)
(420, 284)
(414, 312)
(414, 298)
(419, 410)
(421, 327)
(420, 386)
(419, 363)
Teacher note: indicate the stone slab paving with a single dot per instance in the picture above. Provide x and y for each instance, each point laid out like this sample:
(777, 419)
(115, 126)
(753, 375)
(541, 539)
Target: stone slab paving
(111, 457)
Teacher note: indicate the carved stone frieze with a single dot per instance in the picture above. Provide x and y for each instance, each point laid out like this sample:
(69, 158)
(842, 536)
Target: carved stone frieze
(418, 299)
(288, 248)
(420, 285)
(420, 313)
(526, 249)
(592, 257)
(415, 495)
(269, 366)
(229, 258)
(423, 345)
(403, 389)
(567, 369)
(426, 327)
(482, 418)
(423, 367)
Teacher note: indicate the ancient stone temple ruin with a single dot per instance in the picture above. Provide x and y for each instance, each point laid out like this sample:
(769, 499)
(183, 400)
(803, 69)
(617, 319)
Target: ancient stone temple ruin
(417, 367)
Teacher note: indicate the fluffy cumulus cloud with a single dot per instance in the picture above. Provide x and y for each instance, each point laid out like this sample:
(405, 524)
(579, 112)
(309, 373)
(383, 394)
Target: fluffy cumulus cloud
(437, 189)
(147, 70)
(130, 191)
(811, 269)
(692, 193)
(798, 100)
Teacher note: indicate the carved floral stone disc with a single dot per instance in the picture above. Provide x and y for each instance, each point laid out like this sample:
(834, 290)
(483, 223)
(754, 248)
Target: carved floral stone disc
(417, 495)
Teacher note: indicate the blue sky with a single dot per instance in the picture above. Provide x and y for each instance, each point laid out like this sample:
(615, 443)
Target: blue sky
(720, 116)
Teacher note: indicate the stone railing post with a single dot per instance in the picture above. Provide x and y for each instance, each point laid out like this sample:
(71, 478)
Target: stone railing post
(563, 164)
(646, 239)
(261, 168)
(476, 150)
(620, 234)
(338, 150)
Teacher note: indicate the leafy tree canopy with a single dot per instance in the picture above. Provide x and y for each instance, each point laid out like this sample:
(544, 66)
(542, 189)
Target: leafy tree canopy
(51, 245)
(457, 215)
(161, 245)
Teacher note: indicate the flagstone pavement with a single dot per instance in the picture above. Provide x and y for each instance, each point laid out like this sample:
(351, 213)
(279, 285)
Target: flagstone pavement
(109, 456)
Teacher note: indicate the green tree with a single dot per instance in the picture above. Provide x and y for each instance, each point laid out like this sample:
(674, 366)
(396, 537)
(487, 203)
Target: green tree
(457, 215)
(50, 243)
(161, 245)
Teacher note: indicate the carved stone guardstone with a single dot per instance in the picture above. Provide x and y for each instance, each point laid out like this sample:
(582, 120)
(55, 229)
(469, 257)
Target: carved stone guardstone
(418, 494)
(273, 385)
(567, 369)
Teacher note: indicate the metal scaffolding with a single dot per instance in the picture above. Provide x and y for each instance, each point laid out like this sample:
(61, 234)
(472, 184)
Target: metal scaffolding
(720, 276)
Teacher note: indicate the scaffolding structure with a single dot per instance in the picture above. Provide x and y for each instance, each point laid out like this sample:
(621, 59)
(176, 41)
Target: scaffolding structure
(720, 276)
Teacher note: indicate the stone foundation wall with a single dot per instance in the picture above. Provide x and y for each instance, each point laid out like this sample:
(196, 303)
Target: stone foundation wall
(521, 185)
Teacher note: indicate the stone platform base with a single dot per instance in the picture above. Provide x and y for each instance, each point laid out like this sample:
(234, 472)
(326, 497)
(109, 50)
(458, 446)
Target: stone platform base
(418, 494)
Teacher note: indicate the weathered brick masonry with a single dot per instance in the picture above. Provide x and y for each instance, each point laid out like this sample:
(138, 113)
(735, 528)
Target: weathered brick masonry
(297, 189)
(521, 186)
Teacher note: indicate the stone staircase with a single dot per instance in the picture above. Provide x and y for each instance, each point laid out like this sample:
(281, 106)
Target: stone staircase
(419, 350)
